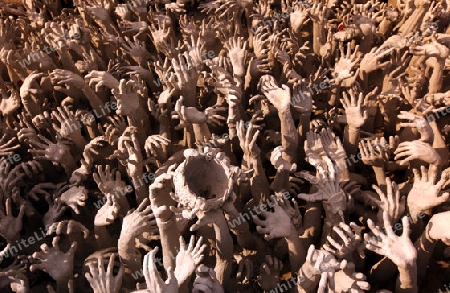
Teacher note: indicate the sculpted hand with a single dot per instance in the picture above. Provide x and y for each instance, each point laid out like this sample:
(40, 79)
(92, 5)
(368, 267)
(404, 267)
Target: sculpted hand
(10, 226)
(279, 97)
(419, 122)
(188, 259)
(426, 193)
(206, 281)
(127, 97)
(67, 121)
(102, 281)
(247, 135)
(417, 150)
(350, 237)
(392, 204)
(107, 214)
(347, 279)
(68, 227)
(58, 264)
(353, 107)
(276, 224)
(346, 69)
(269, 275)
(74, 197)
(139, 221)
(153, 279)
(399, 249)
(237, 51)
(107, 182)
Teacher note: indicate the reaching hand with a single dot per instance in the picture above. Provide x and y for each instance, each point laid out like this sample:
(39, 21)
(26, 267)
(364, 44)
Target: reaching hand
(127, 97)
(399, 249)
(206, 281)
(391, 203)
(426, 192)
(74, 197)
(10, 226)
(139, 221)
(102, 281)
(350, 240)
(346, 69)
(329, 190)
(417, 150)
(248, 135)
(276, 224)
(153, 279)
(354, 112)
(279, 97)
(68, 227)
(188, 258)
(58, 264)
(107, 214)
(107, 182)
(269, 273)
(237, 52)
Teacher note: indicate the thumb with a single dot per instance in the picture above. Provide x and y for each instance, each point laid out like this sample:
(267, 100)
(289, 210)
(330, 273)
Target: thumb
(171, 276)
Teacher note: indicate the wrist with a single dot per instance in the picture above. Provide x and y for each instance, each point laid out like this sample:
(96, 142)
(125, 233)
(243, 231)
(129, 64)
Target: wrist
(352, 129)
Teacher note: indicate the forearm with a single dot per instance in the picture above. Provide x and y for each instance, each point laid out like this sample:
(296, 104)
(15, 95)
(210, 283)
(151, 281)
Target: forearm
(79, 143)
(380, 175)
(140, 120)
(103, 238)
(66, 60)
(169, 236)
(297, 253)
(201, 131)
(319, 36)
(241, 229)
(128, 253)
(439, 145)
(224, 254)
(351, 141)
(425, 246)
(307, 280)
(69, 165)
(302, 129)
(281, 181)
(62, 286)
(141, 189)
(259, 185)
(93, 99)
(407, 279)
(289, 136)
(343, 168)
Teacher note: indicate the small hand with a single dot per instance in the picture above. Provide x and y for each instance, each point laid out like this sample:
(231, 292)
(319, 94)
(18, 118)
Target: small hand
(206, 281)
(108, 212)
